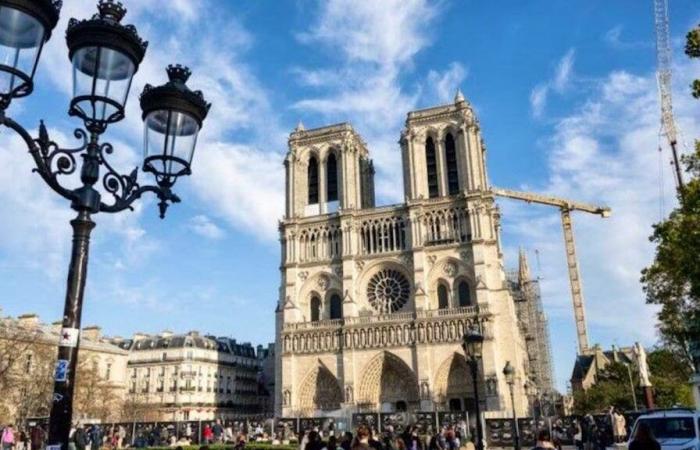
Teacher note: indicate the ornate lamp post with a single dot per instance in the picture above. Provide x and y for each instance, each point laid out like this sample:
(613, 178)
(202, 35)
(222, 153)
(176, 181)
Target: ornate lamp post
(509, 373)
(105, 55)
(473, 344)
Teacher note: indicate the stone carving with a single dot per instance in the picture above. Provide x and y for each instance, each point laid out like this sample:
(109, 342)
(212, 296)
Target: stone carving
(432, 259)
(359, 264)
(286, 397)
(338, 270)
(492, 386)
(303, 275)
(348, 394)
(450, 269)
(642, 365)
(323, 282)
(424, 390)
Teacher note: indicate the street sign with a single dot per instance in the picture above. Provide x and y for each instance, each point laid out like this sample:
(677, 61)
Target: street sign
(61, 373)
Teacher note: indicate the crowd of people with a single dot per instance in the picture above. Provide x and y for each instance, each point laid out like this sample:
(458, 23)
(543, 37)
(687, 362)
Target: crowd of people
(366, 438)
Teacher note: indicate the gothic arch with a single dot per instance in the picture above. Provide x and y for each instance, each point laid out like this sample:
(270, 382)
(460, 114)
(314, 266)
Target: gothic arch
(387, 378)
(452, 379)
(320, 390)
(457, 292)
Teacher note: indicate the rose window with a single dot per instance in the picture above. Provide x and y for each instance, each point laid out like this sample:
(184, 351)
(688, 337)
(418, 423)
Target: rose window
(388, 291)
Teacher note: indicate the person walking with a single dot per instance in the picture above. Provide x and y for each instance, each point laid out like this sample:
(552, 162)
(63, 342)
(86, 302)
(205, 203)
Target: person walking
(644, 438)
(578, 435)
(95, 437)
(544, 441)
(37, 437)
(80, 438)
(8, 437)
(361, 439)
(620, 427)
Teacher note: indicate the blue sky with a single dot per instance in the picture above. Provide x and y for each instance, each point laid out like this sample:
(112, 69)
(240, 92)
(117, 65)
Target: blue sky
(565, 93)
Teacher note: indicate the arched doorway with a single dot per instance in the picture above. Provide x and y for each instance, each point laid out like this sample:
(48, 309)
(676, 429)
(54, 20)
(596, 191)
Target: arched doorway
(319, 391)
(388, 385)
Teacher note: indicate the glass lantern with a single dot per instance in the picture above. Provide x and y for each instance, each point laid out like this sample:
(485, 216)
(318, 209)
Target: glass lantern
(105, 56)
(173, 116)
(25, 26)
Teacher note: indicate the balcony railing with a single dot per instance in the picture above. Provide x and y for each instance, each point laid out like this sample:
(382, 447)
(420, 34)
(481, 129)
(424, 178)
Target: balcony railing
(464, 311)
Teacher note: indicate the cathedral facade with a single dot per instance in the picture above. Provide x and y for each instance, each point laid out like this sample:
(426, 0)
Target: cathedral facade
(374, 301)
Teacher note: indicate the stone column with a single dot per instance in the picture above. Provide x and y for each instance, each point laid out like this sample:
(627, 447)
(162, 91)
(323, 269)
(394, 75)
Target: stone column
(322, 188)
(441, 166)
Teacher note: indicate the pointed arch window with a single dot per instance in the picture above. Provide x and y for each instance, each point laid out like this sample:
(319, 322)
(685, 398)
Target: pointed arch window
(451, 162)
(332, 178)
(431, 165)
(315, 309)
(442, 296)
(464, 294)
(336, 307)
(312, 175)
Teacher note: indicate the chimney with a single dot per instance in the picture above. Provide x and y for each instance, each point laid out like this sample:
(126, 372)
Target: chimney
(92, 333)
(29, 321)
(56, 326)
(139, 336)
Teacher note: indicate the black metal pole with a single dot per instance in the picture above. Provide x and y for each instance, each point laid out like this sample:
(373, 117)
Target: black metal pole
(66, 365)
(473, 364)
(516, 438)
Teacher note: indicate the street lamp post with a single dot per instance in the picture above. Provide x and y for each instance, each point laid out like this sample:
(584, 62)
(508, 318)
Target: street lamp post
(473, 343)
(509, 373)
(105, 55)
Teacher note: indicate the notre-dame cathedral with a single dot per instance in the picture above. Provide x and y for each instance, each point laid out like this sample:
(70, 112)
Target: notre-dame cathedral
(374, 301)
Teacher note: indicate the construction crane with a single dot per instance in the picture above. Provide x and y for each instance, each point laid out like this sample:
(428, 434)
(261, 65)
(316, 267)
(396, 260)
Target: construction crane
(565, 206)
(663, 79)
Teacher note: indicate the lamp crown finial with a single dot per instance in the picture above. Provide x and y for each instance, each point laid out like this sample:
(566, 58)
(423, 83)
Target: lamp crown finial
(178, 72)
(111, 9)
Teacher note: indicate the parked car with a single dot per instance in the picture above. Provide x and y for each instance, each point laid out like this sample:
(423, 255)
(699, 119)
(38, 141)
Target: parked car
(675, 429)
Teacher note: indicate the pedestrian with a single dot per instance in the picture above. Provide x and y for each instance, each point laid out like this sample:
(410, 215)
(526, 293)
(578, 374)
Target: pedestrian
(218, 431)
(332, 443)
(620, 427)
(8, 437)
(314, 442)
(80, 438)
(544, 441)
(644, 438)
(361, 441)
(346, 442)
(207, 434)
(37, 437)
(95, 437)
(578, 435)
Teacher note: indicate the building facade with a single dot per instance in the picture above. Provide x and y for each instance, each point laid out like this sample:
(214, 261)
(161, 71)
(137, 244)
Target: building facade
(374, 301)
(195, 377)
(28, 351)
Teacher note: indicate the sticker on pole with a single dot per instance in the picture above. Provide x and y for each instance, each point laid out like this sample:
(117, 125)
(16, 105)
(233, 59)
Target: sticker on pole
(61, 373)
(69, 337)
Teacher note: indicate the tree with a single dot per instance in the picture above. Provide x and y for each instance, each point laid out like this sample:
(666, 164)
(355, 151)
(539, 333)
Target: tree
(95, 397)
(673, 279)
(669, 376)
(692, 49)
(612, 387)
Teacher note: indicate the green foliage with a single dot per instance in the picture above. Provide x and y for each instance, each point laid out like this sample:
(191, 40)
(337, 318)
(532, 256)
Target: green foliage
(673, 279)
(612, 388)
(670, 376)
(692, 49)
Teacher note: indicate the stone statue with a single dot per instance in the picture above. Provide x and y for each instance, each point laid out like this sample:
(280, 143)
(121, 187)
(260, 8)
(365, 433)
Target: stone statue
(642, 364)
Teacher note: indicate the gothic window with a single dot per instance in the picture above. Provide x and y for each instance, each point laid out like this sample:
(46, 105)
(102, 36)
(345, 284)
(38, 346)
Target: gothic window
(315, 309)
(336, 307)
(451, 162)
(388, 291)
(442, 296)
(431, 164)
(312, 176)
(465, 297)
(332, 178)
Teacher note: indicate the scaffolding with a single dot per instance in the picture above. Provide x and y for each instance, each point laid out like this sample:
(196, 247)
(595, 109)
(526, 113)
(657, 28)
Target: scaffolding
(533, 325)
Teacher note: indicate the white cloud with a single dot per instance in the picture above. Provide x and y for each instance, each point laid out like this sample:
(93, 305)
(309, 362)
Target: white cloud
(204, 226)
(613, 37)
(538, 99)
(605, 152)
(562, 76)
(445, 84)
(559, 83)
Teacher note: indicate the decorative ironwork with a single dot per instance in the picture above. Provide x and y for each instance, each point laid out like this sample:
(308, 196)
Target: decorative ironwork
(388, 291)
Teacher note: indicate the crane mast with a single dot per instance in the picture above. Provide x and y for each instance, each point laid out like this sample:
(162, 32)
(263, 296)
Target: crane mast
(565, 206)
(663, 79)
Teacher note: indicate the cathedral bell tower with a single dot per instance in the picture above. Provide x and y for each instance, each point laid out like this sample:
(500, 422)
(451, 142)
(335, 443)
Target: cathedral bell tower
(442, 152)
(327, 169)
